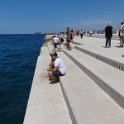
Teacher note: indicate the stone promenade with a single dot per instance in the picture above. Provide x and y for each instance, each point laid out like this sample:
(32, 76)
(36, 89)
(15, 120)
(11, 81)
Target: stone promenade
(91, 92)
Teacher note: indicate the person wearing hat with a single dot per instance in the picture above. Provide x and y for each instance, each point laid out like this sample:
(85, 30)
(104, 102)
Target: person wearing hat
(58, 70)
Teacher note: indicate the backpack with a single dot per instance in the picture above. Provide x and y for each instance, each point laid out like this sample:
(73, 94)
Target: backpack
(62, 39)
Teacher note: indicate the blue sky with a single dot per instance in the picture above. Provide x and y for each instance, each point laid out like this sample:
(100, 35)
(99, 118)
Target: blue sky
(29, 16)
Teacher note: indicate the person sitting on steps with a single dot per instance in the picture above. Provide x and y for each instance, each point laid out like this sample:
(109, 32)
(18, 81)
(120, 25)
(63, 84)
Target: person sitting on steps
(58, 70)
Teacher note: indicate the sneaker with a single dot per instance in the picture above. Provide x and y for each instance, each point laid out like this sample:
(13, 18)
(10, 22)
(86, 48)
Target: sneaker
(50, 79)
(54, 81)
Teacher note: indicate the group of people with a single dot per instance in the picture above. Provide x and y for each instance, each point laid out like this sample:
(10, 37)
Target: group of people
(57, 67)
(57, 40)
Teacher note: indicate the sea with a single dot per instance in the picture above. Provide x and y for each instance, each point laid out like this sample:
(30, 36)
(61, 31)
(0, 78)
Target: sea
(18, 57)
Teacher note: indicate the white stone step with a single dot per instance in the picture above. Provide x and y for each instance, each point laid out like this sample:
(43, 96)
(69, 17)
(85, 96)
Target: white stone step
(108, 60)
(110, 79)
(46, 104)
(86, 101)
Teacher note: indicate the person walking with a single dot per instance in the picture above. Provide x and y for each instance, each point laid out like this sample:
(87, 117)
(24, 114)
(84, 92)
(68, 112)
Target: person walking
(91, 33)
(55, 42)
(81, 33)
(68, 38)
(108, 34)
(122, 34)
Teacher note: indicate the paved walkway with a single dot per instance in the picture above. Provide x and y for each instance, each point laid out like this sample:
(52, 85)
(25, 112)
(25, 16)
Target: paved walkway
(97, 45)
(46, 104)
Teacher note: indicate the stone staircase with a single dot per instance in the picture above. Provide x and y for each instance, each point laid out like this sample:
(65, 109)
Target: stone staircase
(93, 87)
(91, 92)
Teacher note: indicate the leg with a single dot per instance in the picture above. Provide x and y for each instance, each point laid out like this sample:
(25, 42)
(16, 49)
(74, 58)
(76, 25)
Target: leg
(55, 46)
(51, 76)
(81, 35)
(122, 41)
(109, 42)
(69, 45)
(106, 41)
(60, 46)
(55, 75)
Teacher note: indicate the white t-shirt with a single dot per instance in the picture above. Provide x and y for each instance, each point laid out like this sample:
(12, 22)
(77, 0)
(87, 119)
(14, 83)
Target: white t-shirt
(91, 32)
(55, 40)
(81, 32)
(58, 62)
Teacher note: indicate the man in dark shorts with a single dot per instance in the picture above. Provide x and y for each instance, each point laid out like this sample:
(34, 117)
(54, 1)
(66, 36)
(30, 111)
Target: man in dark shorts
(58, 70)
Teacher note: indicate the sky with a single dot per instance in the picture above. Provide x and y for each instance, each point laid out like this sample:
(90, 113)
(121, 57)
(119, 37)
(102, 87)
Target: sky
(30, 16)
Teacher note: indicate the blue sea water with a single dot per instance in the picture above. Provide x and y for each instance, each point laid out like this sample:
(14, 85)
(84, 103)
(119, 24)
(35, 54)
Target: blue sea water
(18, 57)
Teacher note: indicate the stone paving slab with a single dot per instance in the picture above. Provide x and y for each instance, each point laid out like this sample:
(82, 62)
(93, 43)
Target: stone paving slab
(46, 104)
(87, 101)
(97, 45)
(107, 77)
